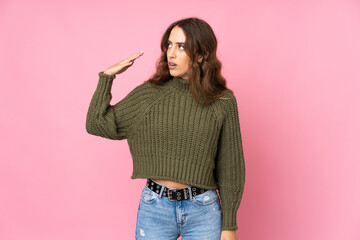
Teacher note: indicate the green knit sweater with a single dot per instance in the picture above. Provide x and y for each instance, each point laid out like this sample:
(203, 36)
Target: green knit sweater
(172, 137)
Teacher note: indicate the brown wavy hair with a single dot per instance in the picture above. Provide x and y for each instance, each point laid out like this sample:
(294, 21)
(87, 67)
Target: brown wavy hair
(205, 76)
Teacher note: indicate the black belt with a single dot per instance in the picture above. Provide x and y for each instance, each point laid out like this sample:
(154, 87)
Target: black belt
(174, 194)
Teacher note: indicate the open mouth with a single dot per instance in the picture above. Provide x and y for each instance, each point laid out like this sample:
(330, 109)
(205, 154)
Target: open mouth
(172, 65)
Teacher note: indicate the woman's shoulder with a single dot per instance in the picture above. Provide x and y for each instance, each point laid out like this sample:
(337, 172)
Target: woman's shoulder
(143, 88)
(227, 102)
(227, 94)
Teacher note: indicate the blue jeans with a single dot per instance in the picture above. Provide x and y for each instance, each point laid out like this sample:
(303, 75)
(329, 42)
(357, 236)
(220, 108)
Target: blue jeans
(196, 218)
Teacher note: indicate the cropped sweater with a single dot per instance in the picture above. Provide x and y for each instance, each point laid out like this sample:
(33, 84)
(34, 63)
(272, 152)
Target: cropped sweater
(171, 136)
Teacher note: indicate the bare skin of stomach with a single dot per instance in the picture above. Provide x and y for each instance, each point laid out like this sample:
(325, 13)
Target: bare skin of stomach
(171, 184)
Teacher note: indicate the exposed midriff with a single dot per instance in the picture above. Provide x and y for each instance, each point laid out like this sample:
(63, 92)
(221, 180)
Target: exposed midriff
(171, 184)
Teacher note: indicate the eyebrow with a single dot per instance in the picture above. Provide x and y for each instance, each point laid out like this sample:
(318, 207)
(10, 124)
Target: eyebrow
(177, 42)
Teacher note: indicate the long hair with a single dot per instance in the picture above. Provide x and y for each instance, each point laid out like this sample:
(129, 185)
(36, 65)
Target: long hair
(205, 76)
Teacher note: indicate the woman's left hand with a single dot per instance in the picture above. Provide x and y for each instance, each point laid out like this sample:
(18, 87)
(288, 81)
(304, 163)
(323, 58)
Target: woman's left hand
(229, 235)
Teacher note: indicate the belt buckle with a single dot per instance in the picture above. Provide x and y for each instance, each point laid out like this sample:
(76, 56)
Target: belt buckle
(169, 196)
(186, 195)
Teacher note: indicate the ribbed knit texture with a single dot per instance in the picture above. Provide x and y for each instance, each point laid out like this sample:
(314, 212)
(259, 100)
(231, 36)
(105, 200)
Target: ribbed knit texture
(172, 137)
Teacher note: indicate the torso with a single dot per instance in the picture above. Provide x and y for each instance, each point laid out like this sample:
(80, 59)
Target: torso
(171, 184)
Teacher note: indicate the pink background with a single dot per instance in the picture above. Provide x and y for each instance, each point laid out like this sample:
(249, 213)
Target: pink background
(293, 65)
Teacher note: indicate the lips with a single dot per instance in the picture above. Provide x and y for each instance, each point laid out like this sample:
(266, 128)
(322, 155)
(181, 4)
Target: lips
(172, 64)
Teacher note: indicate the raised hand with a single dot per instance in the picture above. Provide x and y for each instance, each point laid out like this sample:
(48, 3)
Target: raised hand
(121, 66)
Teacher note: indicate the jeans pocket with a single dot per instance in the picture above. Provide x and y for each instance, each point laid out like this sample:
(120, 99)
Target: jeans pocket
(206, 198)
(148, 196)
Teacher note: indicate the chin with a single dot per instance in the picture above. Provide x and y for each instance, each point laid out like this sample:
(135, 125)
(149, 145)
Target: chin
(175, 74)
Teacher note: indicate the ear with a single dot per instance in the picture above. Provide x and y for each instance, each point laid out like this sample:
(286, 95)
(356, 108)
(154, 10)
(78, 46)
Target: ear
(200, 59)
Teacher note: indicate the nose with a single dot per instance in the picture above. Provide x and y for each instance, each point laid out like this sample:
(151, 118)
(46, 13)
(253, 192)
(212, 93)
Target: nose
(171, 52)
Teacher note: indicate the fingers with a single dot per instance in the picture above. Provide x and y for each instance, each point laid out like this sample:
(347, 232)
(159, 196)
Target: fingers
(135, 56)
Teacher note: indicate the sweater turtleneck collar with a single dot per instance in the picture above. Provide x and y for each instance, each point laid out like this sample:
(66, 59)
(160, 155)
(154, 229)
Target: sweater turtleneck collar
(180, 84)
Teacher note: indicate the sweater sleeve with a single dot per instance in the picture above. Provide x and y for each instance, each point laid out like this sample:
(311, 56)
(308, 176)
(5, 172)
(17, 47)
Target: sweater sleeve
(230, 165)
(113, 121)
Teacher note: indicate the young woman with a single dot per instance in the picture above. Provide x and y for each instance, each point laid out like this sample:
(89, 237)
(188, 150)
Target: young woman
(183, 131)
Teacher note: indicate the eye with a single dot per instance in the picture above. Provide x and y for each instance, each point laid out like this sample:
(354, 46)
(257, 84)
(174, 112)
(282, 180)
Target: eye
(182, 47)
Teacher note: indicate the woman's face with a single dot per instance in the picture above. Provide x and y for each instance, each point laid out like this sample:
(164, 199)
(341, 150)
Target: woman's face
(176, 54)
